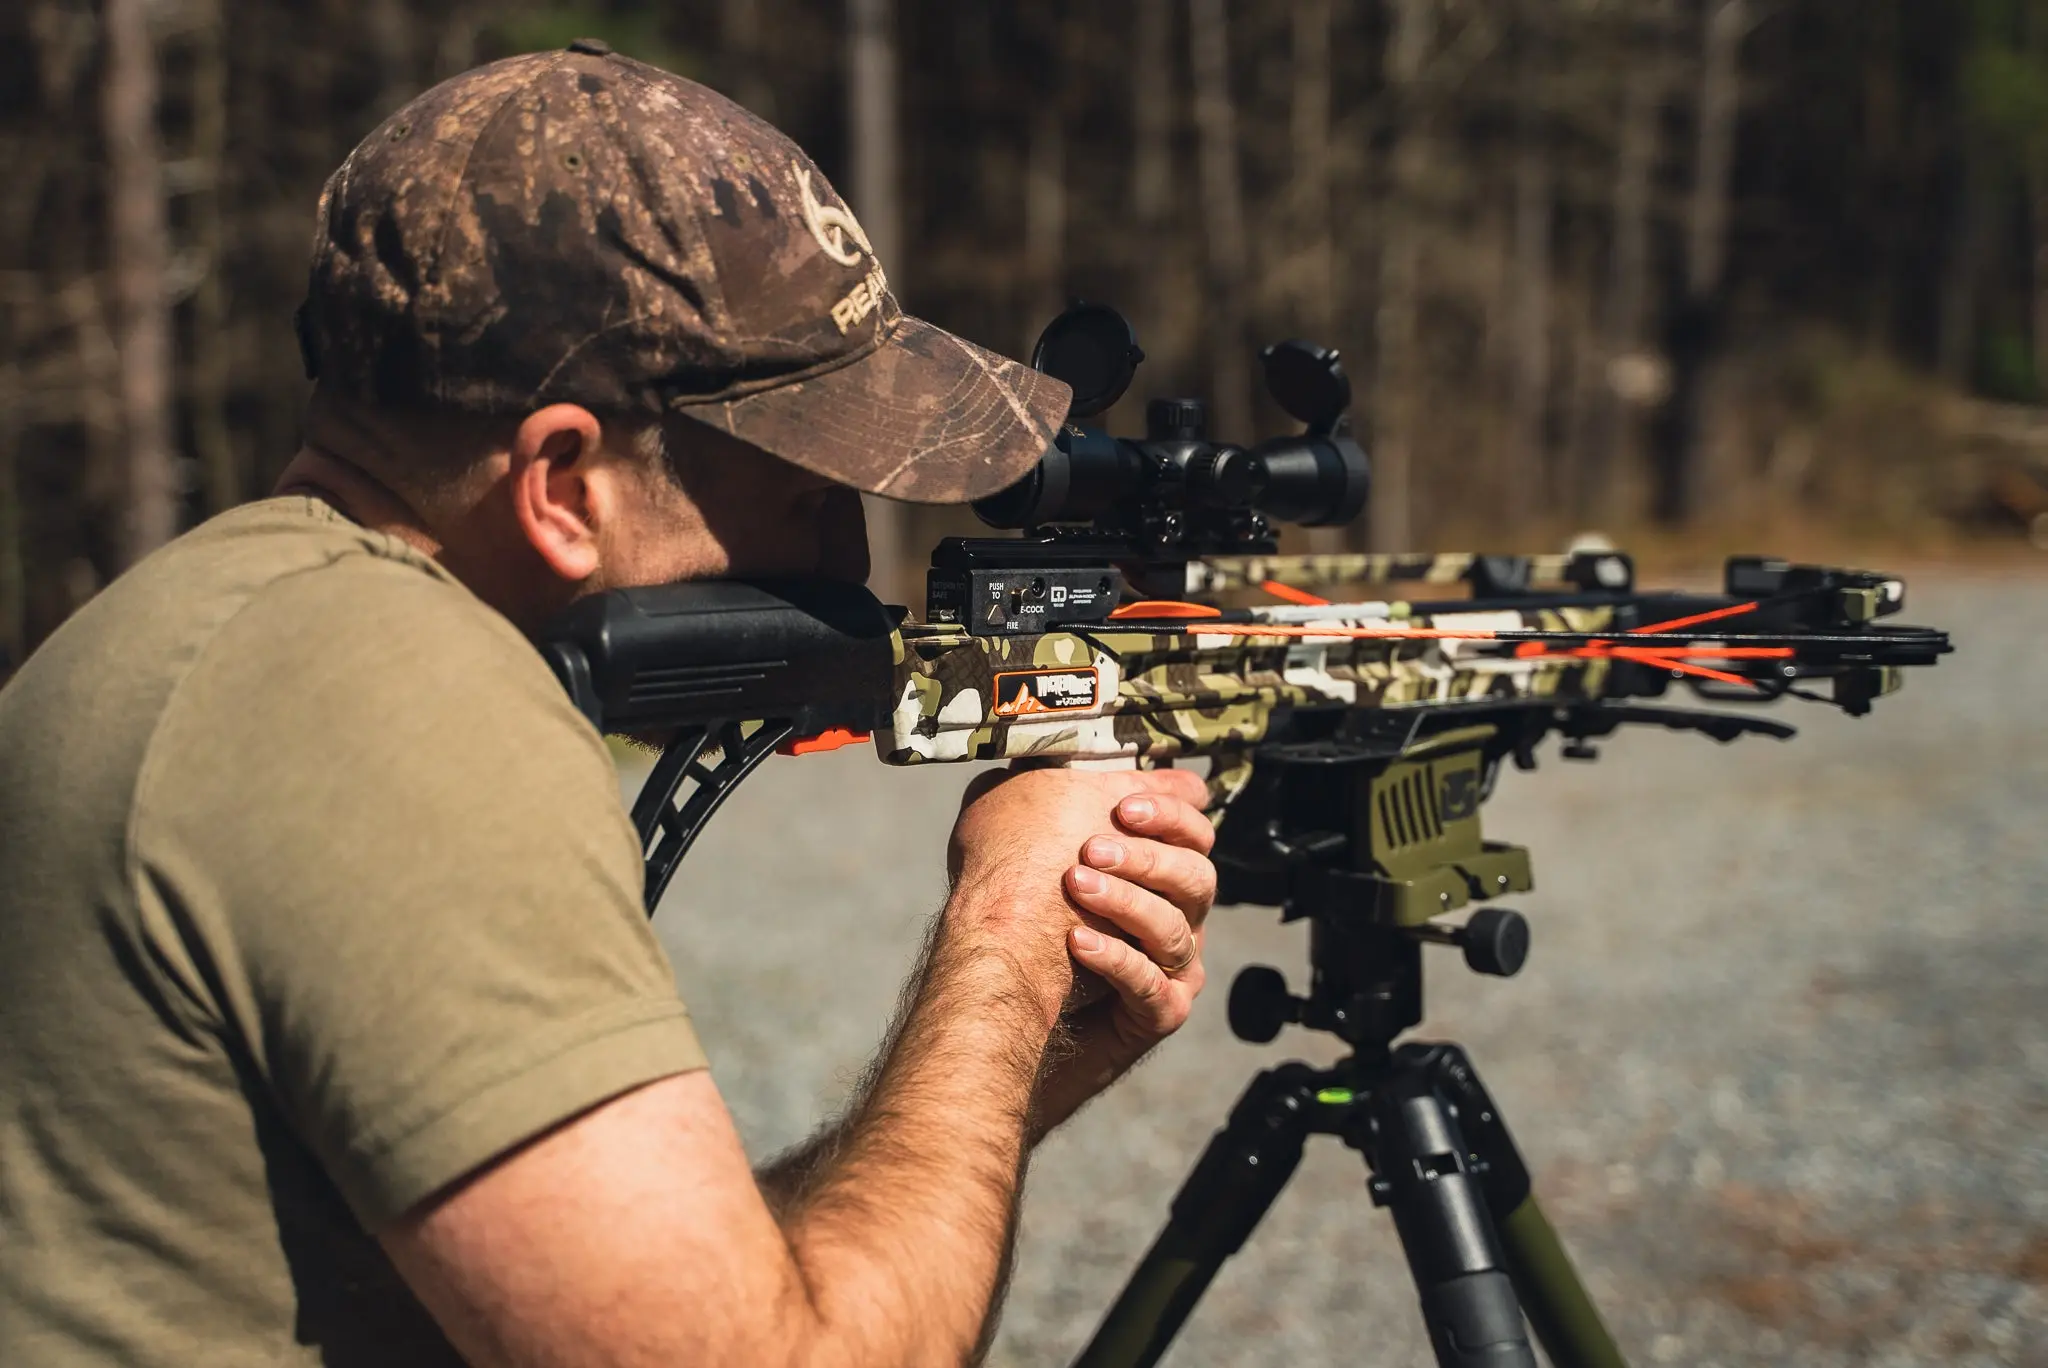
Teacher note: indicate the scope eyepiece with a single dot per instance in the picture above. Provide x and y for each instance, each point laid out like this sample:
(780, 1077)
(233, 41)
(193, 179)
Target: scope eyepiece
(1082, 477)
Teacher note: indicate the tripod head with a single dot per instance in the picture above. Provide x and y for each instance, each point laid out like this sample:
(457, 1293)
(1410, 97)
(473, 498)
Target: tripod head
(1371, 840)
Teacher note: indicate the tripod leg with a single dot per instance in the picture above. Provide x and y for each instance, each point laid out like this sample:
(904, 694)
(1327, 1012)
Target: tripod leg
(1563, 1315)
(1236, 1179)
(1565, 1318)
(1422, 1173)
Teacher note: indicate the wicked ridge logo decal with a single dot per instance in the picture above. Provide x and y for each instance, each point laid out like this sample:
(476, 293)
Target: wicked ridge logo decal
(1022, 693)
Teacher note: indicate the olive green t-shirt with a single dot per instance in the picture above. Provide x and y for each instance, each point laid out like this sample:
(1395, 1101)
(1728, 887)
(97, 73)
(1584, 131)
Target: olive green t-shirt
(315, 895)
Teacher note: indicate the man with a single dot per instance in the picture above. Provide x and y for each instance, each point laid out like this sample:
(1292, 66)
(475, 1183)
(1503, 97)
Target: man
(334, 1031)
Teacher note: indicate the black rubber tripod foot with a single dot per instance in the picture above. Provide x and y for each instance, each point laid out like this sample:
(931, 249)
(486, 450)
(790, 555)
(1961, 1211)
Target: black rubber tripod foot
(1476, 1322)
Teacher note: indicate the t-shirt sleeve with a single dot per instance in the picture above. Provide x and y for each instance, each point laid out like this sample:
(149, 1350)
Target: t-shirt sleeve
(393, 863)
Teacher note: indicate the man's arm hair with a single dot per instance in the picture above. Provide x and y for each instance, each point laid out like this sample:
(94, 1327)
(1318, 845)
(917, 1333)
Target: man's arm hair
(636, 1234)
(826, 1167)
(793, 1177)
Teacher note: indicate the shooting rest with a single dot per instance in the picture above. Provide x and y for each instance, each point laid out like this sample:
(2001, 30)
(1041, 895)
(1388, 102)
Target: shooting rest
(1370, 847)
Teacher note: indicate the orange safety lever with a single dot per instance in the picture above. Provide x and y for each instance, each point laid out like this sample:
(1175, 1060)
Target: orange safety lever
(830, 739)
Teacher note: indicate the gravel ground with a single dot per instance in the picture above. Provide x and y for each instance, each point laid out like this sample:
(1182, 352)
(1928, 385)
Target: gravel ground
(1780, 1056)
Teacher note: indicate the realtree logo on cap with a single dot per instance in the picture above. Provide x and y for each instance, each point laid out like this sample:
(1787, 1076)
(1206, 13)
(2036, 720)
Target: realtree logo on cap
(831, 225)
(839, 234)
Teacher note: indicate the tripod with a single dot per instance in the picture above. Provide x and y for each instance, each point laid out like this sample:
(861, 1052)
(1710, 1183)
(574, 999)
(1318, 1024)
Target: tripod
(1369, 843)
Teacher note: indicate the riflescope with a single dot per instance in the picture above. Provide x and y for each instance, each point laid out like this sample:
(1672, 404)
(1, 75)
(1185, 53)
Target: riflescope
(1176, 489)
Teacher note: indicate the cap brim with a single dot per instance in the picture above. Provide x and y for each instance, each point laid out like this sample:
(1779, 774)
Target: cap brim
(925, 417)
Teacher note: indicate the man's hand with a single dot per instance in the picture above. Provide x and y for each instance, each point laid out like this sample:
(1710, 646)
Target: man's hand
(1128, 849)
(1154, 885)
(1140, 890)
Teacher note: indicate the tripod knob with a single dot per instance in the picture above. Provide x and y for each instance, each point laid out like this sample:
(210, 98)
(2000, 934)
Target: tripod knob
(1495, 941)
(1260, 1004)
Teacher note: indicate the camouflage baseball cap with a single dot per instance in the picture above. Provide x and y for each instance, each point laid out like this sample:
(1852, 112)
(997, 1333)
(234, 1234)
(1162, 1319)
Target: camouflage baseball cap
(579, 227)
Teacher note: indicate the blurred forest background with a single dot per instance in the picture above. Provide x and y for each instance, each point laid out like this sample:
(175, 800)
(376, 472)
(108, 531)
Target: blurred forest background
(1716, 271)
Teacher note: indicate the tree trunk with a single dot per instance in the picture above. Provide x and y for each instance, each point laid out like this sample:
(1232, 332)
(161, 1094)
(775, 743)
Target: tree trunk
(1156, 261)
(1880, 146)
(2037, 189)
(1581, 384)
(1396, 372)
(455, 44)
(1152, 113)
(138, 255)
(740, 32)
(1045, 216)
(1609, 460)
(1314, 291)
(30, 156)
(388, 26)
(208, 383)
(1956, 335)
(1222, 218)
(873, 124)
(1044, 61)
(871, 119)
(1686, 485)
(1524, 470)
(1314, 285)
(13, 577)
(1493, 287)
(1720, 108)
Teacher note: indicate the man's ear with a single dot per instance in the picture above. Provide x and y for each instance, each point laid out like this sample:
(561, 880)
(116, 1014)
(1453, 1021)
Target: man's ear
(556, 488)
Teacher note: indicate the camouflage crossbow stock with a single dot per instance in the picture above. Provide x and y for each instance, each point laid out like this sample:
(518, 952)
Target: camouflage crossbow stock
(727, 673)
(1146, 616)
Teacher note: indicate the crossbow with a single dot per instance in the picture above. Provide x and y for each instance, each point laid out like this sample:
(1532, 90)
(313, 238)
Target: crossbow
(1145, 614)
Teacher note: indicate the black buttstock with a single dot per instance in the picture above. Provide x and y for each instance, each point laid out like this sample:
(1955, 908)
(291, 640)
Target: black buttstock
(815, 653)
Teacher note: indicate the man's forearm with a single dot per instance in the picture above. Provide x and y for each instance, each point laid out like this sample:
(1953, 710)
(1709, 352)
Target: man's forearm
(900, 1218)
(634, 1234)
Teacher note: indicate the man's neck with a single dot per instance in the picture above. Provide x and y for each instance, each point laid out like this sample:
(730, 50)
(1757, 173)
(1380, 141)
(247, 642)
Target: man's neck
(358, 496)
(362, 498)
